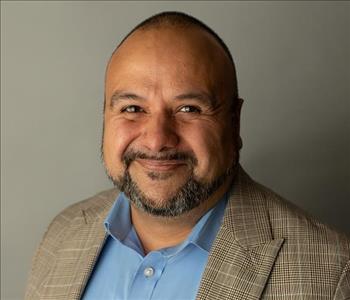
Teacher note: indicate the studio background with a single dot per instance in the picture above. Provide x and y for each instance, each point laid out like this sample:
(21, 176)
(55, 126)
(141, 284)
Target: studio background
(293, 65)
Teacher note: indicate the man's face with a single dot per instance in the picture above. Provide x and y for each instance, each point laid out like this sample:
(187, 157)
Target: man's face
(168, 114)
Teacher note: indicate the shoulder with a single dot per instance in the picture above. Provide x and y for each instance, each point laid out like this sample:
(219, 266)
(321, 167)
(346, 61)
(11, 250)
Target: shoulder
(256, 206)
(317, 252)
(97, 202)
(305, 237)
(59, 229)
(290, 221)
(93, 205)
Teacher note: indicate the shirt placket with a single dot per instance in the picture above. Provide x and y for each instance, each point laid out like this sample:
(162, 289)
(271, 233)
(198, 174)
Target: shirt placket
(147, 276)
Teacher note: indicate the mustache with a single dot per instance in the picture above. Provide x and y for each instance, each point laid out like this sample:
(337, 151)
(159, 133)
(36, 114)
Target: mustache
(184, 156)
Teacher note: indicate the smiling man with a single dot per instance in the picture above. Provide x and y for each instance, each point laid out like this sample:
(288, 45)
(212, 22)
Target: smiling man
(184, 221)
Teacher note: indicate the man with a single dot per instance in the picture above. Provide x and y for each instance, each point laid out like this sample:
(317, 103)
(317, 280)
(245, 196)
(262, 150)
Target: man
(185, 221)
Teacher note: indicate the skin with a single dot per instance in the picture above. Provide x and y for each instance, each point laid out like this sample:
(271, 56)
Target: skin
(164, 93)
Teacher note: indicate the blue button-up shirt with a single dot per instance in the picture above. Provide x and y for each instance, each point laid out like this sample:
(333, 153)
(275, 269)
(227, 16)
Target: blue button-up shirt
(123, 271)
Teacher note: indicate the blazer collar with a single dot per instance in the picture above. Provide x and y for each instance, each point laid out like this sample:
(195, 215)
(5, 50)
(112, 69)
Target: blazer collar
(246, 216)
(245, 250)
(100, 208)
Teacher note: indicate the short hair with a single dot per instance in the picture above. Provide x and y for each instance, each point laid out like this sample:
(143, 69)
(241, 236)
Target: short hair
(183, 20)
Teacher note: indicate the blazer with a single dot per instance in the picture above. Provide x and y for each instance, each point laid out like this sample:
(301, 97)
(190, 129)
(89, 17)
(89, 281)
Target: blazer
(266, 248)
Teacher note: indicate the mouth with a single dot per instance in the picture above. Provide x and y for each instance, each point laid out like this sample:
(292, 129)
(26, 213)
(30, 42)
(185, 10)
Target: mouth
(160, 165)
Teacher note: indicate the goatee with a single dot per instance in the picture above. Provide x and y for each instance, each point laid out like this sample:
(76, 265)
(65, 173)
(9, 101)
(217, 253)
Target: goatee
(189, 196)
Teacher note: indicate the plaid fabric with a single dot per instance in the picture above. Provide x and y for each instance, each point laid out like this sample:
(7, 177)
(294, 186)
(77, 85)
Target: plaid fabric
(266, 248)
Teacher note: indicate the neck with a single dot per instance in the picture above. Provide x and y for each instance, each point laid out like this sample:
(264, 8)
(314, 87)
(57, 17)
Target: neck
(161, 232)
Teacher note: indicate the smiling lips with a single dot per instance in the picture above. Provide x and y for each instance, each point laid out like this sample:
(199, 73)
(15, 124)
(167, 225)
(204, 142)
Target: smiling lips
(160, 165)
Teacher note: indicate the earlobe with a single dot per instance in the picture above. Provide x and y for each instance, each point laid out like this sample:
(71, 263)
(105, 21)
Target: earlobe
(239, 143)
(236, 123)
(239, 108)
(239, 105)
(236, 112)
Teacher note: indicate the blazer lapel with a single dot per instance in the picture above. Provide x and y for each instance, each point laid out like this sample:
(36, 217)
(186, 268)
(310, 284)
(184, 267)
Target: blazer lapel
(244, 251)
(77, 256)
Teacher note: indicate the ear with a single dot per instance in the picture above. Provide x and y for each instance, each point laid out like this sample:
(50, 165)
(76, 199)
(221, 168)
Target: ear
(237, 122)
(239, 104)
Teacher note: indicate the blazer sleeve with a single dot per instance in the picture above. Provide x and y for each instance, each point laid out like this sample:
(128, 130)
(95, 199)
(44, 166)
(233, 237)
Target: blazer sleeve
(343, 288)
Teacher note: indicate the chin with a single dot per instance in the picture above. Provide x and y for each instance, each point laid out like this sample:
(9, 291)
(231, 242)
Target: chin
(160, 196)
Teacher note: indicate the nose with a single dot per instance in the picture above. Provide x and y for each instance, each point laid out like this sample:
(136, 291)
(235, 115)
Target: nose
(159, 133)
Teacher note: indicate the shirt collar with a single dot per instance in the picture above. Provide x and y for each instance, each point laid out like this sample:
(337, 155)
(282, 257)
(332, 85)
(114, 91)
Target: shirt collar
(118, 225)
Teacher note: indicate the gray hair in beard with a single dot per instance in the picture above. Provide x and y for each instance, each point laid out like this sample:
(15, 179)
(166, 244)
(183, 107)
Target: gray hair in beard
(190, 195)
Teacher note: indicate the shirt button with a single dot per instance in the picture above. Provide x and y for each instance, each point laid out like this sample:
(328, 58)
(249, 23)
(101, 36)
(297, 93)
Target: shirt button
(148, 272)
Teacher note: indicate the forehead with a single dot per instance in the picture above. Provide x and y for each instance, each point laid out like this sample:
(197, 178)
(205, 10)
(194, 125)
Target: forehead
(163, 57)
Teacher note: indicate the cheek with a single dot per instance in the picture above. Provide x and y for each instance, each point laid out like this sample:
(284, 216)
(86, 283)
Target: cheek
(211, 146)
(118, 134)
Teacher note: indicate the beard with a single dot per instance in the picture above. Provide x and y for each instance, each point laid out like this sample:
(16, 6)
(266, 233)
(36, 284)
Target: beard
(187, 197)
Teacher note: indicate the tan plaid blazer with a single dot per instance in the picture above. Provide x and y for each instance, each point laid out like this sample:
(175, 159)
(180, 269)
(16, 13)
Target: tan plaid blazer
(265, 249)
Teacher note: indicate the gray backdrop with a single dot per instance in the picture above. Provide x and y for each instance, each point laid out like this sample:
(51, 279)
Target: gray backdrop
(293, 71)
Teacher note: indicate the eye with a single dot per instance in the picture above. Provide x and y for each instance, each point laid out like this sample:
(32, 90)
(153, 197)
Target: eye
(190, 109)
(132, 109)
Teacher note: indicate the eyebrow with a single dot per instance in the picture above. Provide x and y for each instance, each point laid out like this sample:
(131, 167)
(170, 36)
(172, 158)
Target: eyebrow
(204, 98)
(122, 95)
